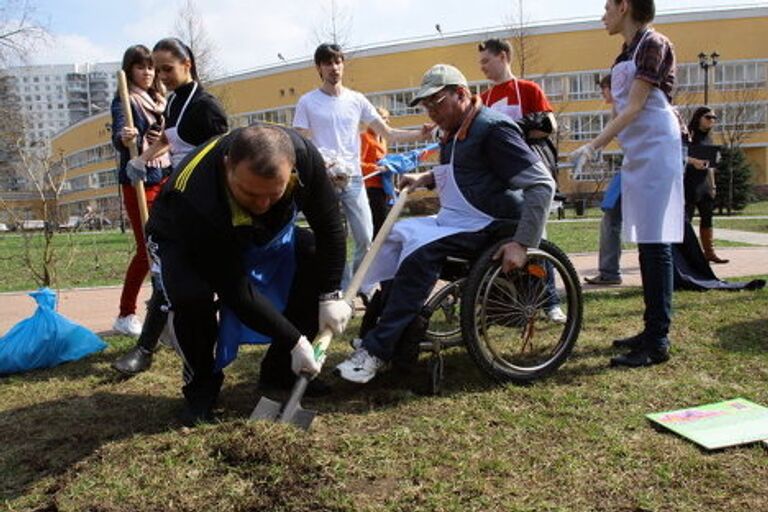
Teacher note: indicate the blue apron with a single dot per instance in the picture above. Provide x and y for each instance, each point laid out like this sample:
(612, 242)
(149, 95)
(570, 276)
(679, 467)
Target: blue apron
(270, 268)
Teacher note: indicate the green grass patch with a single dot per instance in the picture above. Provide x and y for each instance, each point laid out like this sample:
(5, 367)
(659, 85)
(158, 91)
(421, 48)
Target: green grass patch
(81, 259)
(78, 437)
(754, 225)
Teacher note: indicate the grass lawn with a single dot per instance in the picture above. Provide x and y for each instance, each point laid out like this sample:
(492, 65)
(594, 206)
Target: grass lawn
(79, 438)
(83, 259)
(756, 225)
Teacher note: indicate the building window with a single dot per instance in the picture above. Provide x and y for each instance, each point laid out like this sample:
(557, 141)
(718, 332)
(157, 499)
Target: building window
(690, 78)
(584, 126)
(740, 75)
(552, 87)
(748, 117)
(396, 102)
(584, 86)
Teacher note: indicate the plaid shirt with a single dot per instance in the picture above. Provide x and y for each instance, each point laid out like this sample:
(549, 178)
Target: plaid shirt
(655, 60)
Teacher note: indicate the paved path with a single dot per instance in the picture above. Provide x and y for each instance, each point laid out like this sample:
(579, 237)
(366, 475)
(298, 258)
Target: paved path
(741, 236)
(96, 307)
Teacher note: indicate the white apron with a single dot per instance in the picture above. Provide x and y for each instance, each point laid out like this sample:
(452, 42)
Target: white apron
(179, 147)
(515, 112)
(456, 215)
(652, 171)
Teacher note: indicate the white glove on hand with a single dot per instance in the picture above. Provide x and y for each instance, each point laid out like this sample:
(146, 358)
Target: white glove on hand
(303, 358)
(334, 314)
(136, 170)
(580, 156)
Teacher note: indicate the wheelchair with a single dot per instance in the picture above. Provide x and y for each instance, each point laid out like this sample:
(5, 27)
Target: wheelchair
(499, 317)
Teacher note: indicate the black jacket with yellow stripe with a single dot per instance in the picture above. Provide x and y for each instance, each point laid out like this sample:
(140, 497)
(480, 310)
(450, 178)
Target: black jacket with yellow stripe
(198, 226)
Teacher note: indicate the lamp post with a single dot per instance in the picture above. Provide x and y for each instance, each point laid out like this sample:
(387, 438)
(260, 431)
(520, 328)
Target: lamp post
(706, 62)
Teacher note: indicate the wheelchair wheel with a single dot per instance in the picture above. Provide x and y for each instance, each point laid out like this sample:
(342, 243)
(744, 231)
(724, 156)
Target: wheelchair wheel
(503, 316)
(444, 314)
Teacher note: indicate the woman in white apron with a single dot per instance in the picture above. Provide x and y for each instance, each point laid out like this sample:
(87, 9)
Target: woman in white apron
(192, 116)
(652, 171)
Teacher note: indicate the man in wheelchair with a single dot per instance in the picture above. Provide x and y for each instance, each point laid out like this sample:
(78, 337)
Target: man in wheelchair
(488, 175)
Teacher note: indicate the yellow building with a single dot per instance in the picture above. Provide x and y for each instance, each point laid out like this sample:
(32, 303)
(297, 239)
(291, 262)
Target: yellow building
(564, 58)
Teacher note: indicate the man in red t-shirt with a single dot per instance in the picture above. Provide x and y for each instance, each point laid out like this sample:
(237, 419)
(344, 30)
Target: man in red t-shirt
(527, 105)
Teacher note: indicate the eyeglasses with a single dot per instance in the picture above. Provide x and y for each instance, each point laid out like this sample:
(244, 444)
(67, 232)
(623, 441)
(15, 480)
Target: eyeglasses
(711, 117)
(431, 103)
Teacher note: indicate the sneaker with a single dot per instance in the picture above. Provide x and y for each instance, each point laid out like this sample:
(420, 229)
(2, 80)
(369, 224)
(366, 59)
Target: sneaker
(556, 315)
(361, 367)
(130, 325)
(356, 343)
(602, 281)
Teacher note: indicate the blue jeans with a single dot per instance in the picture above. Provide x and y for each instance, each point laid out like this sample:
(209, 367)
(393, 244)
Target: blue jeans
(610, 243)
(359, 221)
(657, 277)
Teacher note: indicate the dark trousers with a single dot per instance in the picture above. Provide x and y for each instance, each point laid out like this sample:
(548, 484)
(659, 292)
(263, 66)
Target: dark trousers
(378, 201)
(656, 271)
(409, 289)
(706, 206)
(194, 319)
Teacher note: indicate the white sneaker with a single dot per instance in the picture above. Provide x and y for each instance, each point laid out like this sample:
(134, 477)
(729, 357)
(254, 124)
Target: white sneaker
(356, 343)
(556, 315)
(129, 325)
(361, 367)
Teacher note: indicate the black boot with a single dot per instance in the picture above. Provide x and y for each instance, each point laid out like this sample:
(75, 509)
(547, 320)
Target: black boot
(642, 356)
(633, 342)
(137, 360)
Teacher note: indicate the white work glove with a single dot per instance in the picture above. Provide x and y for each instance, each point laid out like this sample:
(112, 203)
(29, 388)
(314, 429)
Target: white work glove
(136, 170)
(303, 358)
(581, 156)
(334, 314)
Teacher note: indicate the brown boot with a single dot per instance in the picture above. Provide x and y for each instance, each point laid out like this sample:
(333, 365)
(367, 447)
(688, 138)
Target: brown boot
(707, 244)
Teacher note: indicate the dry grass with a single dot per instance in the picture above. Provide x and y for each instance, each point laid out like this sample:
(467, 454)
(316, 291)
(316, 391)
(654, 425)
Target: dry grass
(79, 438)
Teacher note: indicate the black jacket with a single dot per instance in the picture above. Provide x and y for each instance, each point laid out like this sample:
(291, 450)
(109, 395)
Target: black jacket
(191, 220)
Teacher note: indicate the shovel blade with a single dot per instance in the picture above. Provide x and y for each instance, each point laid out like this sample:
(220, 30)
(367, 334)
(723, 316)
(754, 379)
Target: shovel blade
(301, 418)
(267, 410)
(271, 410)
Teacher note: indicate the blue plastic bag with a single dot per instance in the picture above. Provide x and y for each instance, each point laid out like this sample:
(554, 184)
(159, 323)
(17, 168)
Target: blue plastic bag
(45, 339)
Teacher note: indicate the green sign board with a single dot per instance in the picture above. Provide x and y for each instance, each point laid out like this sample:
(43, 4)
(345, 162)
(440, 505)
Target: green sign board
(718, 425)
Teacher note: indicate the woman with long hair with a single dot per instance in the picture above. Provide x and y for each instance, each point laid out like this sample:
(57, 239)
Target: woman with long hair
(642, 80)
(699, 180)
(192, 116)
(147, 105)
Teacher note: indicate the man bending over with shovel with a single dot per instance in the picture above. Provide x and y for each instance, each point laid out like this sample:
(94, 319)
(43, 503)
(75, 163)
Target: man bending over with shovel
(224, 226)
(487, 173)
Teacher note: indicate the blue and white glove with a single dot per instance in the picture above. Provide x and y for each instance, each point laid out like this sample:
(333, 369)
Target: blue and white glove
(303, 358)
(136, 170)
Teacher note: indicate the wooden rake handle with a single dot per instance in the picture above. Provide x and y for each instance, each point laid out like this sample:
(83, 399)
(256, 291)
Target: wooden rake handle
(125, 100)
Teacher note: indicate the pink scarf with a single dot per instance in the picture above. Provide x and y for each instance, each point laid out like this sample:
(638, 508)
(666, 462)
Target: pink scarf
(152, 111)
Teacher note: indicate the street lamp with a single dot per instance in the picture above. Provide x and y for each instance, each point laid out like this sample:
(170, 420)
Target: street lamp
(706, 62)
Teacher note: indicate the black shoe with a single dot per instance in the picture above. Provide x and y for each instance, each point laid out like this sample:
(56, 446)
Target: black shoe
(137, 360)
(636, 358)
(316, 387)
(632, 343)
(196, 414)
(603, 281)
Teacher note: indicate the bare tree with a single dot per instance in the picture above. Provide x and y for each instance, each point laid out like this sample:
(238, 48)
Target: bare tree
(190, 28)
(20, 31)
(337, 27)
(523, 45)
(11, 131)
(47, 178)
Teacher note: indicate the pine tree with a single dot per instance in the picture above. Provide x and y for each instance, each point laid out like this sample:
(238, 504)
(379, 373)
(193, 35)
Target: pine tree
(733, 160)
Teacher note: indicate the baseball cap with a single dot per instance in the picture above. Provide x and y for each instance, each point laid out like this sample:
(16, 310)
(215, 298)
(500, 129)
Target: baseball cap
(437, 77)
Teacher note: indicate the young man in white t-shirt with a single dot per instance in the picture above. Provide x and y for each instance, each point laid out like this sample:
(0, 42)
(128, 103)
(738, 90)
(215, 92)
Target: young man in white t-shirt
(331, 116)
